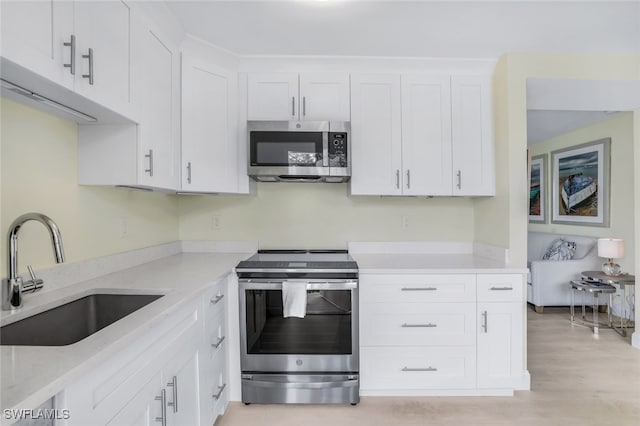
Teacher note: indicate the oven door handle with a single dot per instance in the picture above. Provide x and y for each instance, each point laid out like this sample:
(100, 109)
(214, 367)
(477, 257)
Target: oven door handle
(310, 285)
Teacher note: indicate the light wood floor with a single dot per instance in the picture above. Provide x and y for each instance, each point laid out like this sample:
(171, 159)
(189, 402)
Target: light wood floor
(576, 379)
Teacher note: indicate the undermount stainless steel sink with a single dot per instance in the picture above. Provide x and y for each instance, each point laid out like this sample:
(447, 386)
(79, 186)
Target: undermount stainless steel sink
(69, 323)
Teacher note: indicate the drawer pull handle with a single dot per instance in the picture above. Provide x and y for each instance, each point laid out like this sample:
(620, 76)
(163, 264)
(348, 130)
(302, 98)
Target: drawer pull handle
(420, 369)
(429, 325)
(418, 289)
(215, 300)
(220, 390)
(218, 343)
(484, 325)
(501, 288)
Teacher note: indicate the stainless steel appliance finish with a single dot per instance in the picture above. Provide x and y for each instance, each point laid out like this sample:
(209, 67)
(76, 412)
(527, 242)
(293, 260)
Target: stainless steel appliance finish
(299, 151)
(314, 359)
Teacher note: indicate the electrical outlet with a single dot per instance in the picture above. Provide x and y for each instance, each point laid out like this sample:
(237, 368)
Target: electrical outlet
(216, 222)
(124, 227)
(405, 222)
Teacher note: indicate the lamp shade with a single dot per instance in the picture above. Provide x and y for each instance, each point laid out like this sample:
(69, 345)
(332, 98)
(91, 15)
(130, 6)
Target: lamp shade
(611, 248)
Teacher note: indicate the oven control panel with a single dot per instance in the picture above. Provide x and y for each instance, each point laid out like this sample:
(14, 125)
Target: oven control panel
(338, 149)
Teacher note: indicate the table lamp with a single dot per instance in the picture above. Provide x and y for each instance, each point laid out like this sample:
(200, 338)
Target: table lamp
(611, 248)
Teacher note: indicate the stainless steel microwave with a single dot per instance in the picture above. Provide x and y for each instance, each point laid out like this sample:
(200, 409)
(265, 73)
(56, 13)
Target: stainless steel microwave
(299, 151)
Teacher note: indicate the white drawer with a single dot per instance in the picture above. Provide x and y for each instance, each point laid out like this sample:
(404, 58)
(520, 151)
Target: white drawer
(216, 332)
(418, 288)
(500, 287)
(413, 324)
(417, 368)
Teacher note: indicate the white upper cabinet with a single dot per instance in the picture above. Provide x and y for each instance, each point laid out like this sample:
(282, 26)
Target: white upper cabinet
(426, 135)
(444, 146)
(472, 136)
(307, 96)
(209, 127)
(34, 34)
(376, 150)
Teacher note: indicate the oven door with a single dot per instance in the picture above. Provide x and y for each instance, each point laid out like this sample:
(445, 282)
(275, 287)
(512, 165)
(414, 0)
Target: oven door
(325, 340)
(282, 149)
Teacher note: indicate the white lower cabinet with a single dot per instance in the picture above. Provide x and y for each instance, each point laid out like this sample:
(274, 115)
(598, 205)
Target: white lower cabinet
(173, 376)
(431, 334)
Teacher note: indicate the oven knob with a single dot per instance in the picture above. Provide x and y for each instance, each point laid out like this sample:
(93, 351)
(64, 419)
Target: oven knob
(299, 362)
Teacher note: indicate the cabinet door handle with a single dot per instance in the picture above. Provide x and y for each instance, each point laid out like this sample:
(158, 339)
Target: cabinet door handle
(485, 327)
(163, 399)
(72, 62)
(220, 390)
(501, 288)
(420, 369)
(304, 105)
(174, 384)
(189, 172)
(293, 106)
(150, 157)
(418, 289)
(429, 325)
(215, 300)
(398, 178)
(218, 343)
(89, 56)
(459, 175)
(408, 178)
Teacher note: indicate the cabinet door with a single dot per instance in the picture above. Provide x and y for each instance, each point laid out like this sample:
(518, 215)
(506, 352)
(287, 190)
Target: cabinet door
(375, 135)
(209, 138)
(182, 388)
(33, 36)
(143, 409)
(273, 96)
(500, 344)
(325, 97)
(103, 27)
(472, 136)
(426, 135)
(151, 90)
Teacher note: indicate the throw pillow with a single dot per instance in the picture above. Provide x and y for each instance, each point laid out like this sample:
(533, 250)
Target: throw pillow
(560, 249)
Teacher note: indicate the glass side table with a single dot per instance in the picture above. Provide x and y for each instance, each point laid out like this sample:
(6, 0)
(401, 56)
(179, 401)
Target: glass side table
(623, 281)
(595, 289)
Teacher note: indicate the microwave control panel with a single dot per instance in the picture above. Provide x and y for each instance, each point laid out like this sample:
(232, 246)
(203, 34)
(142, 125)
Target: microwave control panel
(338, 149)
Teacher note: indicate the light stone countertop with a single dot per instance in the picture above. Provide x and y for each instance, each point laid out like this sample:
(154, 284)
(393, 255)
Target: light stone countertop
(32, 374)
(403, 263)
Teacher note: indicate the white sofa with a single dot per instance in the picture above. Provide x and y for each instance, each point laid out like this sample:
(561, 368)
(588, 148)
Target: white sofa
(548, 283)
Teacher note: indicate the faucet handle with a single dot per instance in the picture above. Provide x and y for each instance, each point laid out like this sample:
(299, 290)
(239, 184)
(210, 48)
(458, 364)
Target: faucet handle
(34, 284)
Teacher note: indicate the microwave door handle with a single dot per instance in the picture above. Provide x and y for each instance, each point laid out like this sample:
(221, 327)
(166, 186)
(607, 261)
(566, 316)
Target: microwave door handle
(325, 149)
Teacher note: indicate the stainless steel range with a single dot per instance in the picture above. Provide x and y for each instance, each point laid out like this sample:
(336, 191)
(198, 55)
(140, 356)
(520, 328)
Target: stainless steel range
(299, 327)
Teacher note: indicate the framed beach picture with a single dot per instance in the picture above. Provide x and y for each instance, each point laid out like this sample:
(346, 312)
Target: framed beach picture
(538, 189)
(580, 182)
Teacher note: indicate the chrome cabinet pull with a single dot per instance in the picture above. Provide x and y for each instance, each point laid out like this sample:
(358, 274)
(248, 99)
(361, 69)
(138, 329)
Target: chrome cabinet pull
(216, 299)
(174, 384)
(485, 328)
(163, 399)
(408, 178)
(501, 288)
(304, 105)
(420, 369)
(418, 289)
(459, 175)
(220, 390)
(429, 325)
(398, 178)
(72, 62)
(150, 157)
(90, 58)
(293, 106)
(218, 343)
(189, 172)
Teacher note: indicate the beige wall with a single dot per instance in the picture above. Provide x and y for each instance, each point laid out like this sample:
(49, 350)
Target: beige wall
(322, 215)
(620, 129)
(39, 173)
(504, 218)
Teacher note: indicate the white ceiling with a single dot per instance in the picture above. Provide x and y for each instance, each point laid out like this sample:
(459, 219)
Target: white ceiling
(467, 29)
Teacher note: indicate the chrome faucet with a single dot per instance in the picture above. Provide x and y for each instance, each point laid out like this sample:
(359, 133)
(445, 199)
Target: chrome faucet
(13, 288)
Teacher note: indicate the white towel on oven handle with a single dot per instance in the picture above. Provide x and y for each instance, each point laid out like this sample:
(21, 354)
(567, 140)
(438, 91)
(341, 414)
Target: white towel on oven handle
(294, 299)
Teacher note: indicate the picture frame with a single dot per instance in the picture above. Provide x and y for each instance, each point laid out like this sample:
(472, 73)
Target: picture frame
(538, 189)
(581, 184)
